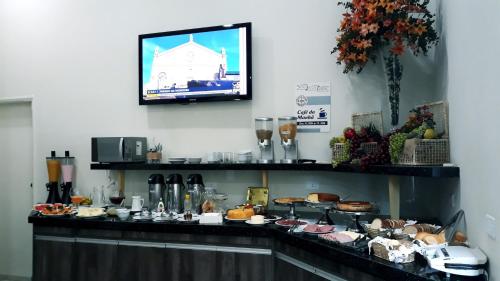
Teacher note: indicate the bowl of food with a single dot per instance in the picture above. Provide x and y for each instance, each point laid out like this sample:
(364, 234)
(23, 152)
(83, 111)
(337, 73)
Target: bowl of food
(123, 213)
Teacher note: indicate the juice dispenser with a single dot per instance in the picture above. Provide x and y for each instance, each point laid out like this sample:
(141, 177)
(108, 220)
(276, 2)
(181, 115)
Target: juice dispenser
(67, 167)
(54, 172)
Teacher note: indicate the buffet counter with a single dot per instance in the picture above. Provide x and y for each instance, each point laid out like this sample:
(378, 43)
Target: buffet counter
(69, 248)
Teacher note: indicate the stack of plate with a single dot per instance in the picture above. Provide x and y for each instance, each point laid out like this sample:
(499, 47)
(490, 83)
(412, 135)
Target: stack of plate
(176, 160)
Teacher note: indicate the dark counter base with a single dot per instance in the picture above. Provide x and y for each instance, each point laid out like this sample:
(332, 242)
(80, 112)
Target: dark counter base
(294, 257)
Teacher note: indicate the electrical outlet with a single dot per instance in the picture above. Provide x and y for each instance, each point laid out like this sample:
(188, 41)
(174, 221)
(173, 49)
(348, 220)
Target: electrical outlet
(491, 226)
(312, 186)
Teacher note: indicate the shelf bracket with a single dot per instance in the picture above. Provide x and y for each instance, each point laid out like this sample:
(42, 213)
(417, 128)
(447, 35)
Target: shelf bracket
(394, 196)
(265, 178)
(121, 181)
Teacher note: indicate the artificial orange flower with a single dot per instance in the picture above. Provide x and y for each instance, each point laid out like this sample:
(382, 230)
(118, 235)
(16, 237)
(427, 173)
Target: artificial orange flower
(401, 26)
(420, 29)
(351, 57)
(363, 57)
(390, 7)
(344, 23)
(372, 13)
(364, 30)
(373, 28)
(398, 49)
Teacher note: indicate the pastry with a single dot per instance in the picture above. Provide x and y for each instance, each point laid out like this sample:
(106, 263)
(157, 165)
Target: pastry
(391, 223)
(354, 206)
(459, 237)
(240, 214)
(322, 197)
(288, 200)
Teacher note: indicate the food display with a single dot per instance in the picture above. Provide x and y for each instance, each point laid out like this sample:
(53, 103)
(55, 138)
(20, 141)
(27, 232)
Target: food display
(90, 212)
(354, 206)
(290, 223)
(240, 214)
(54, 209)
(289, 200)
(318, 229)
(341, 237)
(322, 197)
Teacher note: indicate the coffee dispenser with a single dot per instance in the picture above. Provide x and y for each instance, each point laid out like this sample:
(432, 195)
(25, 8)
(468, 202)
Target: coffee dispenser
(67, 167)
(264, 132)
(156, 190)
(288, 132)
(195, 189)
(54, 172)
(175, 193)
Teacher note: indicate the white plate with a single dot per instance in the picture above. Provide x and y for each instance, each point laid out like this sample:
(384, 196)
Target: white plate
(176, 161)
(250, 222)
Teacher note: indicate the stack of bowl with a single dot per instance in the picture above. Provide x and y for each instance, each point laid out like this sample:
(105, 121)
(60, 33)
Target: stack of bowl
(245, 156)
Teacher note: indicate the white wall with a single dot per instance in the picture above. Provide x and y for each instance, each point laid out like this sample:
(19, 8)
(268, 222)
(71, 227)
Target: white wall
(470, 70)
(79, 60)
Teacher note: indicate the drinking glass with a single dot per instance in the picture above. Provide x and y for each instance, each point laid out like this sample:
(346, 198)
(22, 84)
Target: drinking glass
(227, 157)
(76, 197)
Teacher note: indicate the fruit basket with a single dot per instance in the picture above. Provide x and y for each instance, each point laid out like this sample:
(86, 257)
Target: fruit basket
(425, 152)
(429, 151)
(340, 152)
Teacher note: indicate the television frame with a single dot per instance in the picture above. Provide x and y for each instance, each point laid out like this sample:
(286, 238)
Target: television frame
(187, 100)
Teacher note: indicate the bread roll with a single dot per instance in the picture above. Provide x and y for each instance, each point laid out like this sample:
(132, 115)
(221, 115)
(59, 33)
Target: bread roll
(431, 239)
(410, 229)
(460, 237)
(376, 224)
(421, 235)
(236, 214)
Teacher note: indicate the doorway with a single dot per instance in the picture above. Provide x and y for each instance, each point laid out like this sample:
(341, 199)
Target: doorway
(16, 197)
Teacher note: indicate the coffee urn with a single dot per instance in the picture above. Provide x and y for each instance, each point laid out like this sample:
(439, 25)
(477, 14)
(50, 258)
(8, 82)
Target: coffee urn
(195, 189)
(175, 193)
(156, 190)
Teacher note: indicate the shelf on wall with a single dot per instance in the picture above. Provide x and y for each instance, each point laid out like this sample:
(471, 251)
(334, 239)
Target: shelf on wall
(393, 170)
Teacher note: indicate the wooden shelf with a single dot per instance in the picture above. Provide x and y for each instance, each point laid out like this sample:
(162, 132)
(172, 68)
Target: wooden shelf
(392, 170)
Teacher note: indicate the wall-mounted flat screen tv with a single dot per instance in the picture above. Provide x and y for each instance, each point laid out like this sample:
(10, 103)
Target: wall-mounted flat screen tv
(195, 65)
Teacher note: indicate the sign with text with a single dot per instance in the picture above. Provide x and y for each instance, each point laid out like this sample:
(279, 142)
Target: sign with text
(313, 101)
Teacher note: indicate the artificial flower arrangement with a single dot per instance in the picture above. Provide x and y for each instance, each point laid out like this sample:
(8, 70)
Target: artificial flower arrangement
(370, 27)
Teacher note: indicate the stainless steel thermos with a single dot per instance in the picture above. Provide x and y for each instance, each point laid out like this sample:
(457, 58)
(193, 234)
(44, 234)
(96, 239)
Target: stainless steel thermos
(156, 190)
(175, 193)
(195, 189)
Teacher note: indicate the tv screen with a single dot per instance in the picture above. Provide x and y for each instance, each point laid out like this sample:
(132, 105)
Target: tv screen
(194, 65)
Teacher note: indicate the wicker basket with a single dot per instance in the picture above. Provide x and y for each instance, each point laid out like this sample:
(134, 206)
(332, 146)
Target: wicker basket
(360, 120)
(433, 151)
(380, 251)
(369, 147)
(425, 152)
(338, 152)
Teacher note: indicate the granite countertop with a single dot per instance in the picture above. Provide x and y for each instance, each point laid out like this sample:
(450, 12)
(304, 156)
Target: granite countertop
(418, 270)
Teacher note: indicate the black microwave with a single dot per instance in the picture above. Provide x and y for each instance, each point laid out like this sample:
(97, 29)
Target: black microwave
(119, 149)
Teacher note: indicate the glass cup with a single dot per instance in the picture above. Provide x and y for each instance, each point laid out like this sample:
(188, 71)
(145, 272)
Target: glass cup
(76, 198)
(227, 157)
